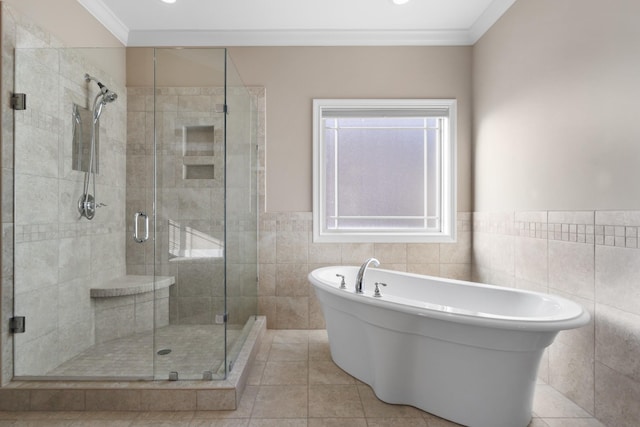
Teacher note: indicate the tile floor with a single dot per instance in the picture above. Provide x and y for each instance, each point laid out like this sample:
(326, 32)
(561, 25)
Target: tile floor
(294, 383)
(194, 349)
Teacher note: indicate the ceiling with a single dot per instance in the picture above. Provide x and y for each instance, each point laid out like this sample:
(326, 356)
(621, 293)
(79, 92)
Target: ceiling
(297, 22)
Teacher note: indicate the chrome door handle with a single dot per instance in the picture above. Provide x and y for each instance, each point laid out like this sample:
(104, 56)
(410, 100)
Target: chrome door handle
(136, 234)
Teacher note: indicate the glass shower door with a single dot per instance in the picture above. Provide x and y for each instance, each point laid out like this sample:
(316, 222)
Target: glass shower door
(70, 268)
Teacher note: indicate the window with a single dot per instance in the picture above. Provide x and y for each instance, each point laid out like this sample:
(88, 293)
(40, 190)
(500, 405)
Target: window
(384, 170)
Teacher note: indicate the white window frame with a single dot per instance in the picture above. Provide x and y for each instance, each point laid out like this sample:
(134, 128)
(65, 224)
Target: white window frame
(448, 162)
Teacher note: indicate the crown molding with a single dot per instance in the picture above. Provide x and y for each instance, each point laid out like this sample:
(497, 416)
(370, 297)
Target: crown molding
(489, 17)
(107, 18)
(134, 38)
(299, 38)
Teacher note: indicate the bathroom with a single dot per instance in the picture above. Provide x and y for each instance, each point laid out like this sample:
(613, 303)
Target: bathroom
(554, 213)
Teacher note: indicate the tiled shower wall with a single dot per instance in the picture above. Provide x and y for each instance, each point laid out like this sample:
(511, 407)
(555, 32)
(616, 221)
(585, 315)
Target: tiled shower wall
(591, 257)
(198, 202)
(56, 255)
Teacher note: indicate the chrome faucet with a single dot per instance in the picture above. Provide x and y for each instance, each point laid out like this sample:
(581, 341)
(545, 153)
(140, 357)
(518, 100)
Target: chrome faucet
(363, 268)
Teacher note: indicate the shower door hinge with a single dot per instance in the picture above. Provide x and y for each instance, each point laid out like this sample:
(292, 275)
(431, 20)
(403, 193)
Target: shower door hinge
(222, 108)
(19, 101)
(221, 318)
(17, 325)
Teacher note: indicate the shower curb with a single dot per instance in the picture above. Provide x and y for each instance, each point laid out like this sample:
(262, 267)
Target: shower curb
(138, 395)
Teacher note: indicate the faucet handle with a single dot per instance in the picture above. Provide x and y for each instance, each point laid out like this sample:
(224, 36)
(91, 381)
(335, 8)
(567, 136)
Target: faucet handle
(342, 284)
(377, 293)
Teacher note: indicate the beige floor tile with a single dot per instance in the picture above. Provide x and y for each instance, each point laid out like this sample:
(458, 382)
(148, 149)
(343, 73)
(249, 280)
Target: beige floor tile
(294, 383)
(327, 372)
(101, 423)
(166, 416)
(220, 423)
(291, 336)
(375, 408)
(572, 422)
(288, 352)
(549, 403)
(319, 351)
(285, 373)
(396, 422)
(433, 421)
(158, 423)
(283, 401)
(43, 423)
(278, 422)
(337, 422)
(334, 401)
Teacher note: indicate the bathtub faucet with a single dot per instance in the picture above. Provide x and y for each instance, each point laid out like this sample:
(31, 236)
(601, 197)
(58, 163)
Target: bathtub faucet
(363, 268)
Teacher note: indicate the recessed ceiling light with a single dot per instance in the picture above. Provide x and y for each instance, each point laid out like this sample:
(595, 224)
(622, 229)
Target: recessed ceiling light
(400, 1)
(169, 1)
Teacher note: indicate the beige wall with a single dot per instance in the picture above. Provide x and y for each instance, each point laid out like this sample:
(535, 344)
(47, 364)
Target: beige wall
(555, 87)
(75, 27)
(556, 194)
(294, 76)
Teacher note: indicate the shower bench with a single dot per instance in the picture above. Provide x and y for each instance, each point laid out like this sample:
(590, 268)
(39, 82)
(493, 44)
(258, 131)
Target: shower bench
(126, 306)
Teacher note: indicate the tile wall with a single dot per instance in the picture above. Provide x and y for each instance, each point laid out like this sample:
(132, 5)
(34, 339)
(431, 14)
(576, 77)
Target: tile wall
(190, 201)
(287, 254)
(199, 291)
(591, 257)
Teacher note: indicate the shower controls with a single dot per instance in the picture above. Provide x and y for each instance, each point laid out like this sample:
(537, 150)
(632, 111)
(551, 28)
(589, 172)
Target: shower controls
(136, 230)
(87, 206)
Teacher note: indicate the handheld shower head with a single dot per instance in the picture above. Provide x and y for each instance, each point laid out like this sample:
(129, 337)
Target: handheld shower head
(107, 95)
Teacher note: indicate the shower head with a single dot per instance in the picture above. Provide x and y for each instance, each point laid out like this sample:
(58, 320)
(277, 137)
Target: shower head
(107, 95)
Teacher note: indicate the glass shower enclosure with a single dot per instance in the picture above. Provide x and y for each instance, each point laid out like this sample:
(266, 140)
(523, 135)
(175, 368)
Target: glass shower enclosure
(161, 281)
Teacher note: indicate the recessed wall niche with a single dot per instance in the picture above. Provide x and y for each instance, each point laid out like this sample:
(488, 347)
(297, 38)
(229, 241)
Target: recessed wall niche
(197, 152)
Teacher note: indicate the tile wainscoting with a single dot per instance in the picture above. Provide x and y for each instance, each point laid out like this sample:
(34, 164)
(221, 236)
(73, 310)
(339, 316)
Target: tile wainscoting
(287, 254)
(591, 257)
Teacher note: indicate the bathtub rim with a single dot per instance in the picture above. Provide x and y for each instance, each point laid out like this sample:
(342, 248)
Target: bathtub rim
(541, 323)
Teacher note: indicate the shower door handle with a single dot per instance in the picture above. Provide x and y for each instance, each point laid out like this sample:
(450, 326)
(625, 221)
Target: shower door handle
(136, 231)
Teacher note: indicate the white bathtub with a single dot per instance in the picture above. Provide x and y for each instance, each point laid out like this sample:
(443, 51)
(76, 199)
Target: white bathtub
(464, 351)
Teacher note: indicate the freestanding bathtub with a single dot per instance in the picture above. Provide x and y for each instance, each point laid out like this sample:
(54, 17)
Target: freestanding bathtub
(464, 351)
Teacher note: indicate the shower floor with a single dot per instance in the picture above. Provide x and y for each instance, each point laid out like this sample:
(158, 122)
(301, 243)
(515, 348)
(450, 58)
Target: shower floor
(194, 350)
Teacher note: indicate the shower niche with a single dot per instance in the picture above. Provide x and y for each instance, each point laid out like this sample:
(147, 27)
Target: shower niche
(198, 143)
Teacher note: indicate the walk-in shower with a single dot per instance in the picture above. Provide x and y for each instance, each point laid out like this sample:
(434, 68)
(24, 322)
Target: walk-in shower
(161, 284)
(87, 203)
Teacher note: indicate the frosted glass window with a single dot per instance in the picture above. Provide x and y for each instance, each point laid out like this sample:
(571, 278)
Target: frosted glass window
(384, 170)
